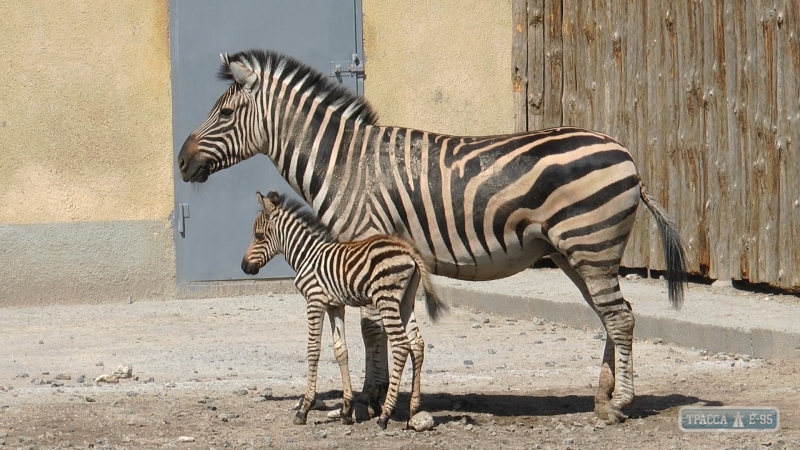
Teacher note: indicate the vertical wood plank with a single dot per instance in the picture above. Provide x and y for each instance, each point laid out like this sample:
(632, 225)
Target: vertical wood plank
(519, 49)
(536, 64)
(553, 73)
(789, 126)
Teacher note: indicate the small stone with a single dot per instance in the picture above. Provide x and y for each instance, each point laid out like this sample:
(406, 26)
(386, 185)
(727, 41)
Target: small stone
(320, 434)
(99, 364)
(41, 342)
(123, 371)
(561, 339)
(22, 375)
(89, 399)
(81, 379)
(467, 362)
(538, 342)
(657, 341)
(469, 427)
(475, 325)
(131, 393)
(549, 364)
(268, 440)
(430, 346)
(185, 439)
(538, 321)
(169, 385)
(106, 379)
(241, 392)
(335, 414)
(252, 387)
(389, 433)
(259, 399)
(422, 421)
(569, 441)
(486, 320)
(492, 351)
(599, 336)
(632, 276)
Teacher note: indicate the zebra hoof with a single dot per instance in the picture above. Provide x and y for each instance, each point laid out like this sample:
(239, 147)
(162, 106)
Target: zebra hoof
(610, 415)
(346, 420)
(300, 418)
(382, 423)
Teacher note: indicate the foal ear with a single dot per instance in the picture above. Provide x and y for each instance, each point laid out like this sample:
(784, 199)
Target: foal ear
(265, 202)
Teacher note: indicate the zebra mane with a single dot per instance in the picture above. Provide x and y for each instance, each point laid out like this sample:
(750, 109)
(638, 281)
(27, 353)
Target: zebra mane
(266, 62)
(300, 211)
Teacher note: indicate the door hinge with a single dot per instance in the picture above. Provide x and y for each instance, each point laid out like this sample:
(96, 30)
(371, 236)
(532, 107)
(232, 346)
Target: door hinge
(352, 68)
(181, 214)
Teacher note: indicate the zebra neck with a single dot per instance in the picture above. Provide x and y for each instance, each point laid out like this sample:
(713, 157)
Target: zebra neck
(305, 141)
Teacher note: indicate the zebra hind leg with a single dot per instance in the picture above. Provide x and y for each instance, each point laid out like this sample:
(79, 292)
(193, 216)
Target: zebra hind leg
(601, 290)
(368, 404)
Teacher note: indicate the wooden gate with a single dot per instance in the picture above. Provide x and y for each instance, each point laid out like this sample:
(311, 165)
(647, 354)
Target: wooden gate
(705, 94)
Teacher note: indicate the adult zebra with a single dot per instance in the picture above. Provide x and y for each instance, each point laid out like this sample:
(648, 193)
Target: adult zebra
(477, 208)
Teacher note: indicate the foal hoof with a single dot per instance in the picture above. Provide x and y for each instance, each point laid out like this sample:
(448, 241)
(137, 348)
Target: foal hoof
(346, 420)
(300, 418)
(382, 423)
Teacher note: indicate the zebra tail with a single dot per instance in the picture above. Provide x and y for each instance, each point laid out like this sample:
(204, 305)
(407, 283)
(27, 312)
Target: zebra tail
(435, 306)
(673, 249)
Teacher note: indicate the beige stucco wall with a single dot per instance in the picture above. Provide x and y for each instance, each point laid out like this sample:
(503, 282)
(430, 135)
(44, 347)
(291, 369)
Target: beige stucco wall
(442, 66)
(85, 111)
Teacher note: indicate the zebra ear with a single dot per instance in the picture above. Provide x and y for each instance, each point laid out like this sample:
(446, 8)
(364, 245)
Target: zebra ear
(264, 202)
(243, 75)
(223, 57)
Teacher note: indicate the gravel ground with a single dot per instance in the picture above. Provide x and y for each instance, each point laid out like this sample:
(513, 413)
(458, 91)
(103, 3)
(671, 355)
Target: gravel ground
(227, 373)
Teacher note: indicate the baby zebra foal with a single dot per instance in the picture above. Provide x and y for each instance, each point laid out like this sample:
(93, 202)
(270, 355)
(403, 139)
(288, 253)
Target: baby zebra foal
(382, 271)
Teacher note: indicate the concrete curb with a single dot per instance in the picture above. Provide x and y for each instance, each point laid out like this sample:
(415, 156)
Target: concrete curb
(762, 338)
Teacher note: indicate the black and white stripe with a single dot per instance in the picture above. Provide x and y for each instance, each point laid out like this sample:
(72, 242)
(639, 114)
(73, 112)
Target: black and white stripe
(381, 271)
(476, 208)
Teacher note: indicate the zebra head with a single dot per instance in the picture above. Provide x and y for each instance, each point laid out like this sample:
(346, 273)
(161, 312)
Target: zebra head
(233, 130)
(265, 243)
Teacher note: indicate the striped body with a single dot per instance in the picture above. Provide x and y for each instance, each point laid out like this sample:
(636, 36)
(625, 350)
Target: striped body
(476, 208)
(381, 271)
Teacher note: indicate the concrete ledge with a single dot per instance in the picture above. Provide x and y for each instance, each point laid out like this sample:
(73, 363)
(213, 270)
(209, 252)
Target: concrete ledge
(725, 320)
(86, 262)
(215, 289)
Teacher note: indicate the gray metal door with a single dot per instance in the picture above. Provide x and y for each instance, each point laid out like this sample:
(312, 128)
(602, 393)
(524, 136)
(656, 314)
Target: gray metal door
(213, 220)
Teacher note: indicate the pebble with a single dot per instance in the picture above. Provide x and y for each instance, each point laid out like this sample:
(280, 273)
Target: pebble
(561, 339)
(320, 434)
(259, 399)
(430, 346)
(538, 321)
(241, 392)
(131, 393)
(185, 439)
(22, 375)
(492, 351)
(89, 399)
(475, 325)
(486, 320)
(599, 336)
(657, 341)
(549, 364)
(227, 416)
(538, 342)
(467, 362)
(422, 421)
(569, 441)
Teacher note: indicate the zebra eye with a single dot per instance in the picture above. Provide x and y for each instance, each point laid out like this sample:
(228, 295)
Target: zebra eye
(226, 113)
(259, 236)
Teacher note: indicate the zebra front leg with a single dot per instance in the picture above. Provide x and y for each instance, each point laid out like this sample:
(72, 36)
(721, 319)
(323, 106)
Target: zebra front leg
(368, 404)
(314, 312)
(401, 347)
(336, 316)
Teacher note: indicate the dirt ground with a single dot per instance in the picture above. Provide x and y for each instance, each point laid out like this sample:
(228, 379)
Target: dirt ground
(226, 373)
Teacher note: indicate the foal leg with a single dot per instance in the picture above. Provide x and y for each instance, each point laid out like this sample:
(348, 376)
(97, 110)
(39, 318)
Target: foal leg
(314, 311)
(336, 316)
(390, 309)
(409, 320)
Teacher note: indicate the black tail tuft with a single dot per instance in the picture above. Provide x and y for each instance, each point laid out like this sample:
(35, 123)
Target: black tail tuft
(673, 250)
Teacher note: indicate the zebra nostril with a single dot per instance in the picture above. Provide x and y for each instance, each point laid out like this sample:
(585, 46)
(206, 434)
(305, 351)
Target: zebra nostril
(181, 164)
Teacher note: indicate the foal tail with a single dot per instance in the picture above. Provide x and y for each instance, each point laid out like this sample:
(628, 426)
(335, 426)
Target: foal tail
(433, 303)
(673, 248)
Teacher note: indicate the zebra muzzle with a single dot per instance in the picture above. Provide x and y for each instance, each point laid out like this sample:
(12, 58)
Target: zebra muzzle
(250, 268)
